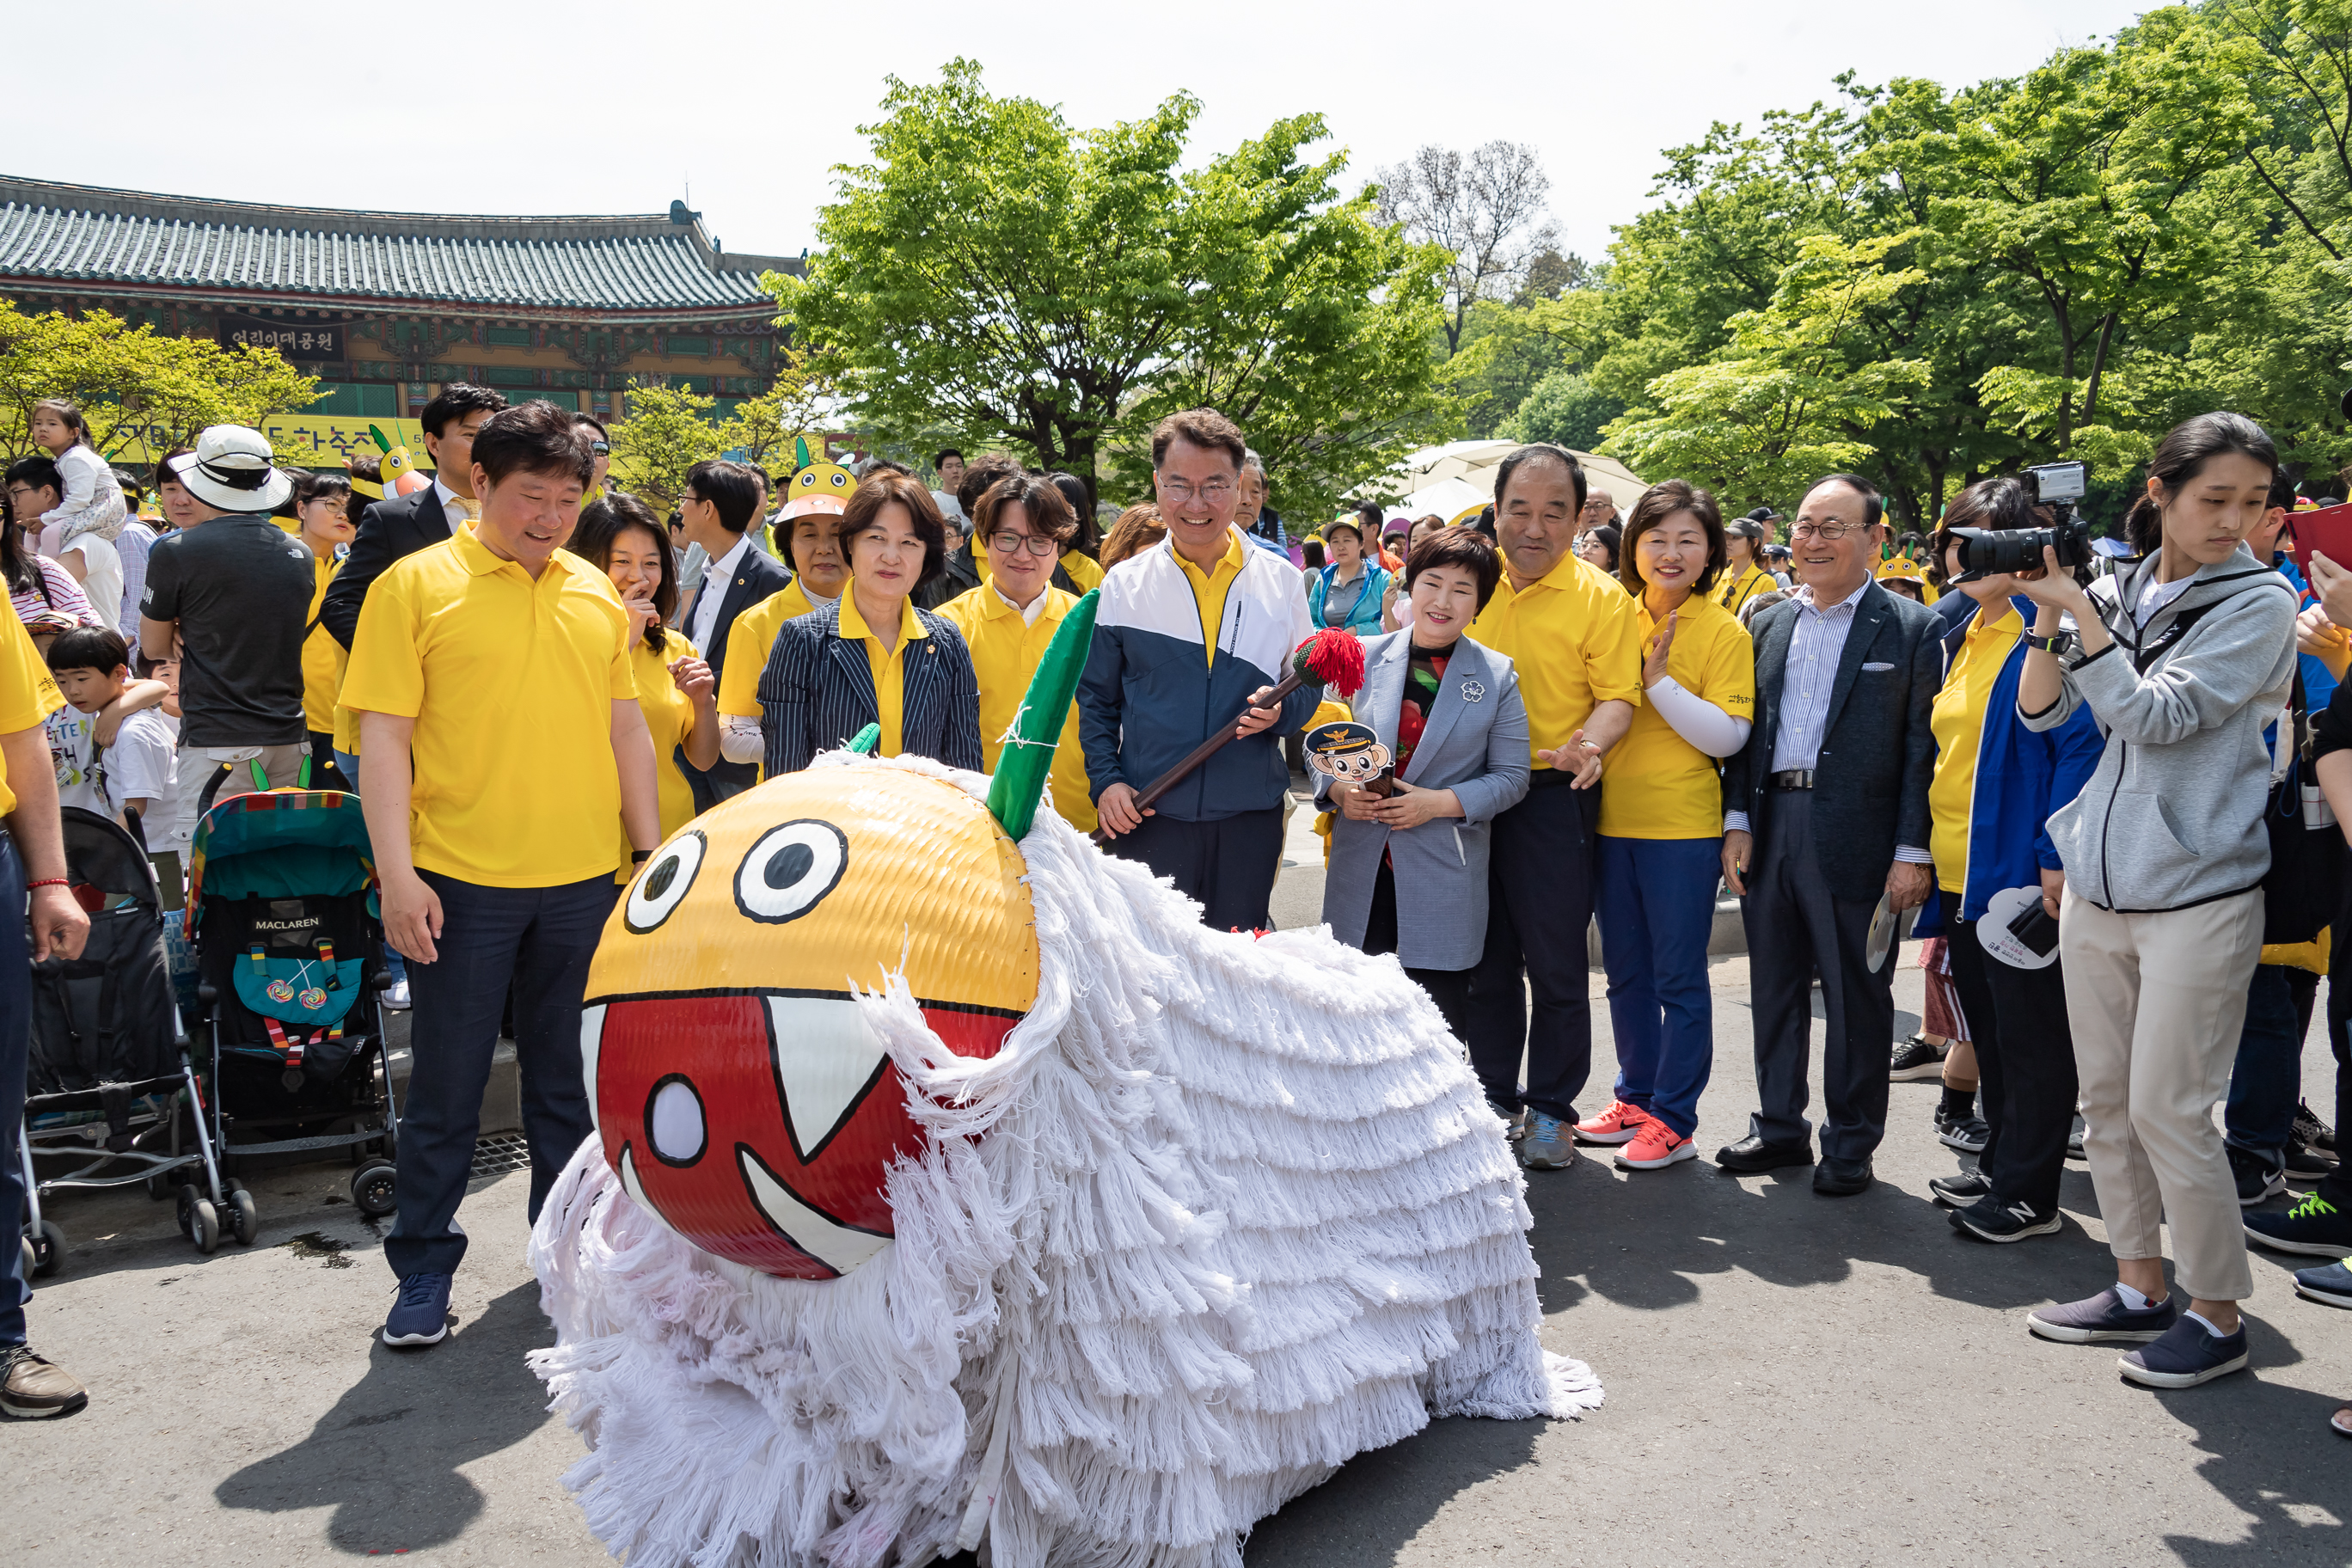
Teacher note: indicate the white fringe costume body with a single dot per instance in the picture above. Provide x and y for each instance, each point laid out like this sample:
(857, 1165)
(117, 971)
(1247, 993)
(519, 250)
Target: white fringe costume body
(1220, 1215)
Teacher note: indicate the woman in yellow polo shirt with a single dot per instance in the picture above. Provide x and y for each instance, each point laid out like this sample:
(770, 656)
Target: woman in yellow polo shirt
(916, 680)
(620, 536)
(323, 506)
(1662, 825)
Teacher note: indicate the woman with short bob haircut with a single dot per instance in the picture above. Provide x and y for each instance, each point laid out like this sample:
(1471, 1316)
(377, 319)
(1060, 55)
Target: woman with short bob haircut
(1661, 837)
(1408, 872)
(915, 680)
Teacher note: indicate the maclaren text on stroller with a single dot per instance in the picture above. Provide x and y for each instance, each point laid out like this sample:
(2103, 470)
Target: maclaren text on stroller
(290, 953)
(113, 1085)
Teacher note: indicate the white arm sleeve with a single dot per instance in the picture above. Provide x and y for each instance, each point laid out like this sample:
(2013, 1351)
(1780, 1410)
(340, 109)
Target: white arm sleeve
(739, 738)
(1696, 719)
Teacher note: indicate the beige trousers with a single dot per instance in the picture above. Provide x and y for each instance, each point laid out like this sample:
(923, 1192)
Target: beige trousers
(2156, 1002)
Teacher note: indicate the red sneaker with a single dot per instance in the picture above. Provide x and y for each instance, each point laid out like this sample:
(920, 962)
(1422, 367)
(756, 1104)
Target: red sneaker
(1657, 1145)
(1618, 1124)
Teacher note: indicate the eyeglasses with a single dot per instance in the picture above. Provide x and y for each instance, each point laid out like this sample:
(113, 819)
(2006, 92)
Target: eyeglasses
(1829, 531)
(1007, 543)
(1179, 492)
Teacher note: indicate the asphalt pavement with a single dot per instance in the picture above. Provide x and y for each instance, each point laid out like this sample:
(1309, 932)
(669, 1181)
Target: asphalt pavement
(1791, 1379)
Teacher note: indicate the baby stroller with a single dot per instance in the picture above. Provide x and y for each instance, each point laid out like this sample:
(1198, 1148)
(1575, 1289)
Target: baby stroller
(112, 1085)
(289, 961)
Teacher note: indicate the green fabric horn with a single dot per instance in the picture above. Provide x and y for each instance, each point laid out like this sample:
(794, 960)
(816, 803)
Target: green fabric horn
(1028, 754)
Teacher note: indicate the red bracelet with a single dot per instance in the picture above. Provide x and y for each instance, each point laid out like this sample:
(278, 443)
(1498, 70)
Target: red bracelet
(49, 882)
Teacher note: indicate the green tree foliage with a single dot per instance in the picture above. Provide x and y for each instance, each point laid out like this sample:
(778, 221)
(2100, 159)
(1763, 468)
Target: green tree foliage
(134, 384)
(669, 429)
(996, 271)
(1566, 409)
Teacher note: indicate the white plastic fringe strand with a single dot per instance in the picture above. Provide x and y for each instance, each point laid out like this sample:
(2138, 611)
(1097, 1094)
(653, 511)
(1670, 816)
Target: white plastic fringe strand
(1220, 1214)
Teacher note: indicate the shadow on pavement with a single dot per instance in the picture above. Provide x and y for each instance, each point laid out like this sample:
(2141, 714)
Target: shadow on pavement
(1412, 1480)
(387, 1454)
(2269, 1451)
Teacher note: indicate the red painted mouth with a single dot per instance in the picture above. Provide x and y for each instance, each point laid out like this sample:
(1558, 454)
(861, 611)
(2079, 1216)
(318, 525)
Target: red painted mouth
(762, 1125)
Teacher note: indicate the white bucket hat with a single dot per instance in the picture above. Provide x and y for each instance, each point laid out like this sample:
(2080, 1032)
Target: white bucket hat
(233, 470)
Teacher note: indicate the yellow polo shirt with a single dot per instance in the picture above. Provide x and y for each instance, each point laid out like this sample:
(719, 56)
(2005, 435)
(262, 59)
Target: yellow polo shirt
(512, 683)
(669, 716)
(890, 669)
(1575, 635)
(1657, 784)
(1734, 592)
(1957, 720)
(322, 657)
(1208, 588)
(749, 642)
(28, 695)
(1005, 653)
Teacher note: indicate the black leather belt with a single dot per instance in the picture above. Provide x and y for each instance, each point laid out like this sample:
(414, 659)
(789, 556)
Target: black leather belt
(1792, 778)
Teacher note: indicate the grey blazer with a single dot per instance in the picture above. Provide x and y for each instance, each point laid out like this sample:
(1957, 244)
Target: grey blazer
(1476, 745)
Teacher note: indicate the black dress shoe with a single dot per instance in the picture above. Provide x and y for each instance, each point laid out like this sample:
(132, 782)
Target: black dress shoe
(1755, 1154)
(1842, 1178)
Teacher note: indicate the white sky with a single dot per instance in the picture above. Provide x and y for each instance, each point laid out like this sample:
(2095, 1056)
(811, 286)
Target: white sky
(607, 107)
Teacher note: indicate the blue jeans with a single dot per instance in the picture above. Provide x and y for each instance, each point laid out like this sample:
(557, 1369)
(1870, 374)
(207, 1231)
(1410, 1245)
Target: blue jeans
(394, 965)
(2266, 1080)
(16, 1061)
(1656, 899)
(538, 941)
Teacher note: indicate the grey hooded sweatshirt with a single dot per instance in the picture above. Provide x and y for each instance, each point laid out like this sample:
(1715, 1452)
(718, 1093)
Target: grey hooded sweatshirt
(2173, 814)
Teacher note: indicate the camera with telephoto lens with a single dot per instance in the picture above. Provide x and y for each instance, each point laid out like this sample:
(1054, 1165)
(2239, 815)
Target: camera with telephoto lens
(1993, 551)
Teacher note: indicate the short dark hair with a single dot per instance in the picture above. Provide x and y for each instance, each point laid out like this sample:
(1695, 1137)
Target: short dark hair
(979, 477)
(534, 437)
(864, 515)
(90, 648)
(945, 453)
(133, 490)
(2281, 490)
(35, 472)
(1048, 510)
(1665, 500)
(1203, 427)
(732, 488)
(602, 523)
(1535, 451)
(1466, 548)
(1998, 502)
(592, 423)
(167, 475)
(1088, 538)
(456, 400)
(311, 484)
(1874, 508)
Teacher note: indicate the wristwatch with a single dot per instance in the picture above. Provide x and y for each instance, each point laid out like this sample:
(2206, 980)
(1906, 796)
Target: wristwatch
(2062, 643)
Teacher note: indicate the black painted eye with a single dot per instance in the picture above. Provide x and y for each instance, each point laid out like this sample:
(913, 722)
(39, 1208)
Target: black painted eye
(664, 885)
(790, 869)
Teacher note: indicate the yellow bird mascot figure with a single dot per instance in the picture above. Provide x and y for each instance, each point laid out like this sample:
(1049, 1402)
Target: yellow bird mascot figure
(952, 1183)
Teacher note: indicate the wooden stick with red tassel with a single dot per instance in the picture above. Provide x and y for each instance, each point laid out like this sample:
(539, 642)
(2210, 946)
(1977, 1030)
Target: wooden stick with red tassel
(1332, 658)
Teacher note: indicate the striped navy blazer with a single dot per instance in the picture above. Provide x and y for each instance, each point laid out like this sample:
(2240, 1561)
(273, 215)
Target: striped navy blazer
(818, 693)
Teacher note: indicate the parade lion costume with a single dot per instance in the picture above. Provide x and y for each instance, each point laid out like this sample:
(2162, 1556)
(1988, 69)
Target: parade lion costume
(952, 1184)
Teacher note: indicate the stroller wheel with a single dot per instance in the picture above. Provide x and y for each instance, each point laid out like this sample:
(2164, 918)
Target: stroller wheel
(244, 1219)
(204, 1225)
(159, 1186)
(371, 1188)
(48, 1250)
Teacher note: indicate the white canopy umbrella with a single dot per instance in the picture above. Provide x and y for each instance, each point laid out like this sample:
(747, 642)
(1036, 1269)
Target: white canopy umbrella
(1472, 464)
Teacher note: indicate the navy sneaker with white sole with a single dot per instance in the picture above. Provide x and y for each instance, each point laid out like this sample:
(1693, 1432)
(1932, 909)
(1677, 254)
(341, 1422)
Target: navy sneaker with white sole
(2103, 1319)
(1989, 1219)
(1960, 1189)
(2256, 1177)
(2187, 1355)
(421, 1315)
(2331, 1285)
(2315, 1227)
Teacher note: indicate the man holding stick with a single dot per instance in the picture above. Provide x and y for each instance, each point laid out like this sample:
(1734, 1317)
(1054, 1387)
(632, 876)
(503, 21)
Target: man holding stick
(1189, 635)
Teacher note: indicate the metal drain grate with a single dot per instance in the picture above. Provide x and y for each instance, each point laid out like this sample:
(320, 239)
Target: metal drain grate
(496, 1154)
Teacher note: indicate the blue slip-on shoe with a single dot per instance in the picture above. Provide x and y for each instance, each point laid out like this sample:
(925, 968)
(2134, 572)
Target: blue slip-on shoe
(2102, 1319)
(421, 1315)
(2314, 1227)
(2185, 1356)
(2331, 1285)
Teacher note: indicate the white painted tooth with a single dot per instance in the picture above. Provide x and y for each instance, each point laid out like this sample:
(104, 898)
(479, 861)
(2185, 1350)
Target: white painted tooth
(825, 1057)
(592, 1044)
(840, 1248)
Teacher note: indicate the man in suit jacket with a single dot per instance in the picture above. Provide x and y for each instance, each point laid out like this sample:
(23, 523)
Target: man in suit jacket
(398, 526)
(1825, 813)
(716, 509)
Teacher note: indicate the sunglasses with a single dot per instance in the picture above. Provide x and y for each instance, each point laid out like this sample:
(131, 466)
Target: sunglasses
(602, 449)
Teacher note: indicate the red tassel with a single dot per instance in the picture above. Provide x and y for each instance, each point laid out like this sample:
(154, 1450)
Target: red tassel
(1334, 659)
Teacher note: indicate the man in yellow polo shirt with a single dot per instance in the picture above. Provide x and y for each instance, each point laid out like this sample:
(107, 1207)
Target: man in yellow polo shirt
(31, 847)
(1009, 620)
(499, 664)
(1573, 635)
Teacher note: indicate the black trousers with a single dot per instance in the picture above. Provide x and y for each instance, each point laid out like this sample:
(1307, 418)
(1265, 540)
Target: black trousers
(2337, 1185)
(1539, 909)
(1449, 988)
(1227, 865)
(1796, 925)
(2025, 1062)
(324, 772)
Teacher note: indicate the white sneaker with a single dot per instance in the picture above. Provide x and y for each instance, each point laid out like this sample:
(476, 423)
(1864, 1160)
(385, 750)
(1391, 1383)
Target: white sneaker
(397, 997)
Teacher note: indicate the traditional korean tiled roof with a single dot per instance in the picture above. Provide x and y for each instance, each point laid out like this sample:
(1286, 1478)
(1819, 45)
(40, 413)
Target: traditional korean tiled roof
(84, 236)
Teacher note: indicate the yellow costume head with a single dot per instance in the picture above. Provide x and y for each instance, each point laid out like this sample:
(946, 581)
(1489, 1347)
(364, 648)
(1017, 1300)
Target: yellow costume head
(817, 487)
